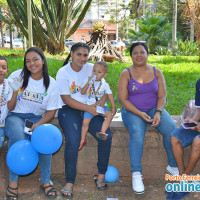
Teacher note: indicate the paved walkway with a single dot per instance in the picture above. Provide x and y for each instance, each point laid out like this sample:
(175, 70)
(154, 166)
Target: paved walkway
(85, 189)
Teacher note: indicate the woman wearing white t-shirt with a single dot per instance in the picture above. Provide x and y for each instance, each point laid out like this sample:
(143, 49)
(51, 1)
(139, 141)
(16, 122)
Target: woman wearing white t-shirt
(37, 101)
(70, 78)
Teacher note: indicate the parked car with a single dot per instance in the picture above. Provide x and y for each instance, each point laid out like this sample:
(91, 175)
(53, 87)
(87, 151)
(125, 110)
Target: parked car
(18, 42)
(117, 44)
(69, 42)
(6, 41)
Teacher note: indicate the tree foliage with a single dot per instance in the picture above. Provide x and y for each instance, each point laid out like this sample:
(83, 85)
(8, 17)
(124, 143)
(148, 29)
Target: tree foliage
(165, 7)
(51, 24)
(155, 30)
(192, 14)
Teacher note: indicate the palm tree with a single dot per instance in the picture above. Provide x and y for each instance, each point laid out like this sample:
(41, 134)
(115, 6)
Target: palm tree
(155, 30)
(51, 24)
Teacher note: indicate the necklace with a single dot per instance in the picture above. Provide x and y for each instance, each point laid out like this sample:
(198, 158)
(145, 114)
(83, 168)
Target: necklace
(96, 92)
(3, 95)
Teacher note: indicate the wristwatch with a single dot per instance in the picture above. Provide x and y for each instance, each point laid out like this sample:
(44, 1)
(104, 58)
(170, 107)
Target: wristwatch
(160, 111)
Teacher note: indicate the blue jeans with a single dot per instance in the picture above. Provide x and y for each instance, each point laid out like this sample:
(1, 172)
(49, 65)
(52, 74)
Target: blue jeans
(137, 128)
(14, 130)
(71, 123)
(2, 136)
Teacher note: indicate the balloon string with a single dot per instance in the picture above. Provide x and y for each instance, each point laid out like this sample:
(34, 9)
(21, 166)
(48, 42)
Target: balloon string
(28, 137)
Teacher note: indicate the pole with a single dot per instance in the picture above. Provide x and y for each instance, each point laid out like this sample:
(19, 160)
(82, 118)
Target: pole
(117, 20)
(30, 30)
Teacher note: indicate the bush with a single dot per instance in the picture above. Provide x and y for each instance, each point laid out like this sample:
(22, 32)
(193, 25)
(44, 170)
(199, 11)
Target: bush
(182, 48)
(186, 48)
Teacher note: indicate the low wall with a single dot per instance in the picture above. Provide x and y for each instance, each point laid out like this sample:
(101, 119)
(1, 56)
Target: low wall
(154, 160)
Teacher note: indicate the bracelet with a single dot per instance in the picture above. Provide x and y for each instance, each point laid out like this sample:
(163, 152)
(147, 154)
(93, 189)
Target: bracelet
(160, 111)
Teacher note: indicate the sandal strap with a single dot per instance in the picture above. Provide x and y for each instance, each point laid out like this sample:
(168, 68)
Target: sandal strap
(67, 189)
(12, 188)
(51, 190)
(100, 183)
(12, 194)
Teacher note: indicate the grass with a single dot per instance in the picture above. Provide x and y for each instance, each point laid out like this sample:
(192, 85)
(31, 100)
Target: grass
(181, 74)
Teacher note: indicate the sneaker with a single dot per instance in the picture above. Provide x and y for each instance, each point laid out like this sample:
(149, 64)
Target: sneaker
(172, 170)
(137, 183)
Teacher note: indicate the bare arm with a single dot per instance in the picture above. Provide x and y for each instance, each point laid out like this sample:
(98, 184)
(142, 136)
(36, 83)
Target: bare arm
(197, 115)
(161, 90)
(123, 96)
(112, 101)
(85, 88)
(161, 94)
(12, 103)
(48, 116)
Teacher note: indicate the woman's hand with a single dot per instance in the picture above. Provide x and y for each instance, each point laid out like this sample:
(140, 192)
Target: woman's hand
(34, 127)
(92, 109)
(113, 111)
(156, 119)
(145, 117)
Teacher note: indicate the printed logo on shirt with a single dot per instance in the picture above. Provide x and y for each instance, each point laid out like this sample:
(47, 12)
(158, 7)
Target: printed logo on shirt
(75, 88)
(134, 87)
(30, 96)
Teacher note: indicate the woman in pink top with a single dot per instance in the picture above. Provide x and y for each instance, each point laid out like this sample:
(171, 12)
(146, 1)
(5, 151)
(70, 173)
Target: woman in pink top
(142, 94)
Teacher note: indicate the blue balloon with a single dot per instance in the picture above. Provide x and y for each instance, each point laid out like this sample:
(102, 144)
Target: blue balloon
(22, 158)
(112, 174)
(46, 139)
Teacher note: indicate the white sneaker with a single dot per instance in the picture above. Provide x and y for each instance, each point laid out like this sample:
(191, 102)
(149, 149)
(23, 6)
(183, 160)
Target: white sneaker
(137, 183)
(172, 170)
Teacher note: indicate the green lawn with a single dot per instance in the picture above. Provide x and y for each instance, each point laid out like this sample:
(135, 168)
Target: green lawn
(181, 74)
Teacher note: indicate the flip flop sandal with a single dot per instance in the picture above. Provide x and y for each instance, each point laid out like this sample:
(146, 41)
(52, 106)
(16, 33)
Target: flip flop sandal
(48, 193)
(102, 135)
(100, 184)
(68, 189)
(12, 195)
(82, 145)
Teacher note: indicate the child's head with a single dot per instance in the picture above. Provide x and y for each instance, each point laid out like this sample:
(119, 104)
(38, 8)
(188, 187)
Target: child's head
(3, 68)
(100, 70)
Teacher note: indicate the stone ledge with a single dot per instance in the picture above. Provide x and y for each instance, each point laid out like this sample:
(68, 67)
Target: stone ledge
(154, 160)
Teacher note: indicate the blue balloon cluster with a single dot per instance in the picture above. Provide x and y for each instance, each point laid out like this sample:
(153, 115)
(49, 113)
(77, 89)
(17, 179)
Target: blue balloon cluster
(22, 157)
(112, 174)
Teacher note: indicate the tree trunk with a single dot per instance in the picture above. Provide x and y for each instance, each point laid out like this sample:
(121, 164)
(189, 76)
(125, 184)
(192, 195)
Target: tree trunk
(174, 23)
(1, 30)
(11, 38)
(192, 31)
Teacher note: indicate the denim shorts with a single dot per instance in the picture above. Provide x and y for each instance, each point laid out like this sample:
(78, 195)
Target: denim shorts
(90, 116)
(185, 136)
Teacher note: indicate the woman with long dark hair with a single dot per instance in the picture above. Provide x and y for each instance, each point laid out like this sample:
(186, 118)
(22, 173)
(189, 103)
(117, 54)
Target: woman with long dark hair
(71, 78)
(37, 101)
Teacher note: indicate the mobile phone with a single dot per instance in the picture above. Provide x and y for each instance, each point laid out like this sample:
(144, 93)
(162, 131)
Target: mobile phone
(28, 124)
(188, 125)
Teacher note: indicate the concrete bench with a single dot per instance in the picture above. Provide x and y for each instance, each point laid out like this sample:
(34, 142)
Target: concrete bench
(154, 159)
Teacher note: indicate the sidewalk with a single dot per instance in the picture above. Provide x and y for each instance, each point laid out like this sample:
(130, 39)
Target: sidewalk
(85, 189)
